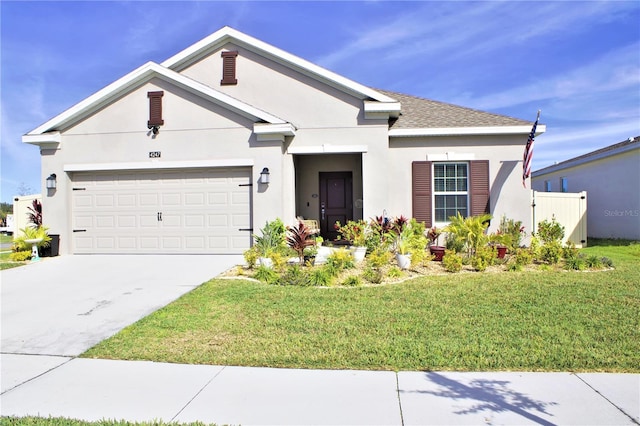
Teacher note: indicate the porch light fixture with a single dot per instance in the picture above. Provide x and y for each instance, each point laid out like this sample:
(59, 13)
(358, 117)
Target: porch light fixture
(51, 181)
(264, 176)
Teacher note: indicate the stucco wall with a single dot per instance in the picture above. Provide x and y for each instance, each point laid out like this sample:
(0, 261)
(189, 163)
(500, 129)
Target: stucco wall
(507, 196)
(613, 188)
(281, 91)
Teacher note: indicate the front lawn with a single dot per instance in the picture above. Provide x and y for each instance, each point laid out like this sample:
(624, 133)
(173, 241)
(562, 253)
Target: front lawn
(534, 321)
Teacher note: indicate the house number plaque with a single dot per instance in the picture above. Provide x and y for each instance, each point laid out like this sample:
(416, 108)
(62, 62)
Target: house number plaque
(154, 154)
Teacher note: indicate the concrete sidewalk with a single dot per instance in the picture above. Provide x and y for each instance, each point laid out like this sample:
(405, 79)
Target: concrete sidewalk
(139, 390)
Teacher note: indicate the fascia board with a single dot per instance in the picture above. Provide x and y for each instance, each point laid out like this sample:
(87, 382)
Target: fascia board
(466, 131)
(227, 34)
(44, 139)
(286, 129)
(391, 108)
(140, 75)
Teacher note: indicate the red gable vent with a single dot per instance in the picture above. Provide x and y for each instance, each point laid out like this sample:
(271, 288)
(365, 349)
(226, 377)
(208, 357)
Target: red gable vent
(155, 109)
(229, 68)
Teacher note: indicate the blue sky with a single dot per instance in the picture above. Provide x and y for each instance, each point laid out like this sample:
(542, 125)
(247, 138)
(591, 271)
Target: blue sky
(578, 62)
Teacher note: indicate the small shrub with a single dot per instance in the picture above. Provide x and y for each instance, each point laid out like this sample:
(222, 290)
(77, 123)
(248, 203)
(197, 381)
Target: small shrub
(295, 275)
(20, 256)
(514, 267)
(352, 281)
(452, 261)
(419, 257)
(266, 275)
(550, 231)
(378, 258)
(593, 262)
(483, 258)
(606, 262)
(341, 259)
(251, 256)
(395, 272)
(373, 275)
(569, 251)
(320, 277)
(551, 252)
(523, 257)
(575, 263)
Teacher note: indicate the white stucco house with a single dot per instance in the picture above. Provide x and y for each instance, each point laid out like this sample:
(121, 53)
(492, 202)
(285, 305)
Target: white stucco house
(172, 157)
(611, 177)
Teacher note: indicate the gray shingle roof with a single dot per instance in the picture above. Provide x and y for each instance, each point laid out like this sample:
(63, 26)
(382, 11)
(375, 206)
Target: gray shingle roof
(425, 113)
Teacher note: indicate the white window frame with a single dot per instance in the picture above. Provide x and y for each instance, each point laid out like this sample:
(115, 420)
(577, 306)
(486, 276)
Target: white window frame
(436, 193)
(547, 186)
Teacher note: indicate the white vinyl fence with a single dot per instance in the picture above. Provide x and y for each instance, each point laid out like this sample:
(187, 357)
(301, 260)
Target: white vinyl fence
(569, 209)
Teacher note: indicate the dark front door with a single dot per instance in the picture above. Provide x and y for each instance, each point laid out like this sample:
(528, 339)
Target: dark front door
(336, 202)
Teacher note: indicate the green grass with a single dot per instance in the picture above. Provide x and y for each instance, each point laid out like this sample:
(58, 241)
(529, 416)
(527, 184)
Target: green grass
(63, 421)
(6, 238)
(534, 321)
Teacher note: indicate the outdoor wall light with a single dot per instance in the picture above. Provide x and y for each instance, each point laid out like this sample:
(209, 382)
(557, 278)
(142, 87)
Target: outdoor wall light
(155, 129)
(264, 176)
(51, 181)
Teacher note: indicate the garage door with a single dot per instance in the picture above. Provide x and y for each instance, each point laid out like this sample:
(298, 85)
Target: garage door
(201, 211)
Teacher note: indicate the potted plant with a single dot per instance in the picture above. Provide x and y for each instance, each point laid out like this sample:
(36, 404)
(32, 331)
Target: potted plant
(410, 239)
(433, 234)
(500, 242)
(272, 241)
(356, 233)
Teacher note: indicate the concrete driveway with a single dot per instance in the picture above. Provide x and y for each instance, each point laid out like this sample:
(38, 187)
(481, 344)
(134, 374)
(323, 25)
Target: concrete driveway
(65, 305)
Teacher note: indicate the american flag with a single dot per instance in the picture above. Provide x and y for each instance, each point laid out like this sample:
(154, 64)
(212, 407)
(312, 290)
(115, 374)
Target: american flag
(528, 153)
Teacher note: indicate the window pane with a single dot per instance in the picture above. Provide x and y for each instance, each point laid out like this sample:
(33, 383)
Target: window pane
(451, 170)
(462, 184)
(451, 185)
(438, 170)
(438, 185)
(462, 170)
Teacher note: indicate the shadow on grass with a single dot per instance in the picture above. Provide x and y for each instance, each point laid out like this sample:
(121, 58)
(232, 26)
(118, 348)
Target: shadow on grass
(600, 242)
(488, 395)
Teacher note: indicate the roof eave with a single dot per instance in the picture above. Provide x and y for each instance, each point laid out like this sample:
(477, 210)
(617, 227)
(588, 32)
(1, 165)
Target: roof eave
(142, 74)
(193, 53)
(466, 131)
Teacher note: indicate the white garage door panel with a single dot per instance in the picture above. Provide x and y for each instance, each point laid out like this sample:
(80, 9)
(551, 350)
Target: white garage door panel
(175, 211)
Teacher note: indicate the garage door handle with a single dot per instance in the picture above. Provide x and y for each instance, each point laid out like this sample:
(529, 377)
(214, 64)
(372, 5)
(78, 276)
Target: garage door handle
(79, 230)
(246, 229)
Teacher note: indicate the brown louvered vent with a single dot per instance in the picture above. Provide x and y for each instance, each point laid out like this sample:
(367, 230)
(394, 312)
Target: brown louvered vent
(229, 68)
(155, 109)
(479, 187)
(421, 191)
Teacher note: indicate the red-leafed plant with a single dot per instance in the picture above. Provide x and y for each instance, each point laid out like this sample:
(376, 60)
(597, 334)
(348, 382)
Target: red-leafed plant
(300, 237)
(35, 213)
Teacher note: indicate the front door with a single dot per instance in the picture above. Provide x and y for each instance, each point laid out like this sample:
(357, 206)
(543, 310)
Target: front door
(336, 202)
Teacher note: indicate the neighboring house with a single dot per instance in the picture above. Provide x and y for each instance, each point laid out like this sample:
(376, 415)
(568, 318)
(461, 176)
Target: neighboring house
(611, 177)
(170, 158)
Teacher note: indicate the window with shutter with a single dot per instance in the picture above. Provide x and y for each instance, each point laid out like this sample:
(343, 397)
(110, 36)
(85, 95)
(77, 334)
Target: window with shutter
(479, 187)
(421, 191)
(229, 68)
(441, 190)
(155, 109)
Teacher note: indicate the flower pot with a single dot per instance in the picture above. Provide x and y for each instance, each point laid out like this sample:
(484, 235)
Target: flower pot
(502, 251)
(437, 252)
(404, 260)
(266, 262)
(359, 253)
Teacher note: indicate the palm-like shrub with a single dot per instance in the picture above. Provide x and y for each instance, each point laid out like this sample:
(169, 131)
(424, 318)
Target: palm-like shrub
(470, 232)
(300, 237)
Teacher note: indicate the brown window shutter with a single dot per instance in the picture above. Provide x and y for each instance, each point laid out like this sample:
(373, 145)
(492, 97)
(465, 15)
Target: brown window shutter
(479, 187)
(421, 191)
(155, 108)
(229, 68)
